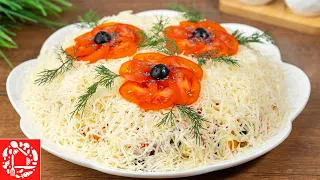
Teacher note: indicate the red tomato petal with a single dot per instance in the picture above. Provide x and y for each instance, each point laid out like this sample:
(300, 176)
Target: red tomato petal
(177, 61)
(154, 58)
(126, 38)
(133, 91)
(188, 85)
(190, 26)
(122, 49)
(97, 55)
(176, 32)
(210, 26)
(85, 39)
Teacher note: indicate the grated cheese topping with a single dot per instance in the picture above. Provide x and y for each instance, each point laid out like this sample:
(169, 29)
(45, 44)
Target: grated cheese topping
(244, 107)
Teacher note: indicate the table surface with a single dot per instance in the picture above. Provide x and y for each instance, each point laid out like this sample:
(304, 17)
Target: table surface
(298, 157)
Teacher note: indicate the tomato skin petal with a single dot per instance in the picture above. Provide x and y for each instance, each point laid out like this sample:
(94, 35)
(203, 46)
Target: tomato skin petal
(85, 51)
(223, 42)
(125, 39)
(139, 68)
(188, 85)
(130, 31)
(137, 77)
(133, 91)
(123, 49)
(146, 95)
(176, 32)
(84, 39)
(97, 55)
(162, 98)
(182, 86)
(230, 41)
(71, 50)
(149, 57)
(125, 68)
(107, 27)
(177, 61)
(191, 26)
(211, 26)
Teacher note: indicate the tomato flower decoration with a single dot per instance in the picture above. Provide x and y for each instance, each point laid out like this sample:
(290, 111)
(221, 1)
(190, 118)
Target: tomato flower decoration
(196, 38)
(156, 81)
(106, 41)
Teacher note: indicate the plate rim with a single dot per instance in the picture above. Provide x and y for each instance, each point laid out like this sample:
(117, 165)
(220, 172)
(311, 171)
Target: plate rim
(182, 173)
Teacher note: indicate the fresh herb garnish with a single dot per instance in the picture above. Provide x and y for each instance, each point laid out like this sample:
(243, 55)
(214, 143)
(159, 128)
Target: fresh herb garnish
(106, 79)
(189, 113)
(168, 46)
(89, 20)
(195, 119)
(48, 75)
(168, 117)
(255, 37)
(189, 14)
(157, 39)
(13, 13)
(211, 55)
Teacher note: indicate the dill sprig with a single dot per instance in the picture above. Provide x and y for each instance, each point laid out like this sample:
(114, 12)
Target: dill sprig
(189, 14)
(255, 37)
(189, 113)
(106, 79)
(89, 20)
(168, 117)
(157, 39)
(211, 55)
(13, 13)
(83, 99)
(158, 27)
(48, 75)
(195, 119)
(168, 46)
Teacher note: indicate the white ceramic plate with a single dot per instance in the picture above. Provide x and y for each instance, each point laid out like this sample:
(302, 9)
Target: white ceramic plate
(296, 81)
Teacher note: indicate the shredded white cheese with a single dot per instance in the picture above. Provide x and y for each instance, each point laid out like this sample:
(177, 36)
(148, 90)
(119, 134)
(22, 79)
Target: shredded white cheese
(242, 104)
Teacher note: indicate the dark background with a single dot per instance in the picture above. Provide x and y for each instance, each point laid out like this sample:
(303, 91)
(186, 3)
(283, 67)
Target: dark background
(298, 157)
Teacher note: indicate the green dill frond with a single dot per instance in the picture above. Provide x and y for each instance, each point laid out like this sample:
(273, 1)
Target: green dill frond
(195, 119)
(189, 14)
(149, 41)
(201, 61)
(226, 59)
(211, 55)
(156, 36)
(89, 20)
(13, 13)
(167, 47)
(168, 117)
(105, 78)
(186, 112)
(255, 37)
(238, 34)
(157, 40)
(48, 75)
(158, 27)
(83, 99)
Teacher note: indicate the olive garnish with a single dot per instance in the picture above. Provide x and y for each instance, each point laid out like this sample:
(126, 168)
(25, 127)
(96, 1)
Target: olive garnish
(159, 71)
(102, 37)
(200, 33)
